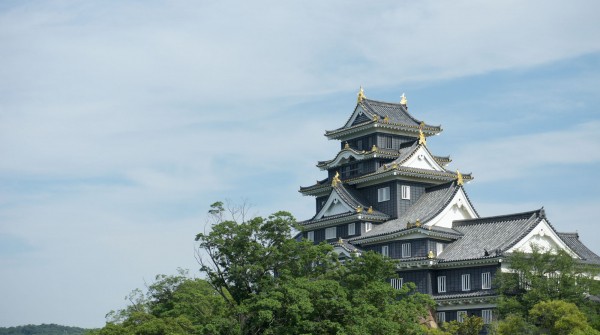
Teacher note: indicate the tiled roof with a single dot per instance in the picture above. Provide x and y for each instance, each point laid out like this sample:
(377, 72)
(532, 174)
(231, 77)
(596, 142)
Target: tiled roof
(346, 246)
(493, 235)
(396, 112)
(465, 295)
(361, 155)
(407, 151)
(572, 240)
(430, 204)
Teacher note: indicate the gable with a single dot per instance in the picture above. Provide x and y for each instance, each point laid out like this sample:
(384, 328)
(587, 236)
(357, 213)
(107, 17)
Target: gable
(545, 238)
(459, 208)
(422, 159)
(334, 206)
(359, 116)
(343, 157)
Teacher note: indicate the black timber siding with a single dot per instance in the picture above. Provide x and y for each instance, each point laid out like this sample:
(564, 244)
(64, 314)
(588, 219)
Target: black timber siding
(361, 143)
(418, 247)
(454, 278)
(396, 141)
(421, 279)
(360, 119)
(388, 207)
(453, 316)
(320, 201)
(341, 232)
(416, 191)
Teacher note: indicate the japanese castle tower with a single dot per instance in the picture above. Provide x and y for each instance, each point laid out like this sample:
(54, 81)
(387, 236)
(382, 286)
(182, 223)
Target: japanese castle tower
(386, 192)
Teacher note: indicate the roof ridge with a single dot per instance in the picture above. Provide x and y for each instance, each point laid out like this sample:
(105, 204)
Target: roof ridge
(538, 213)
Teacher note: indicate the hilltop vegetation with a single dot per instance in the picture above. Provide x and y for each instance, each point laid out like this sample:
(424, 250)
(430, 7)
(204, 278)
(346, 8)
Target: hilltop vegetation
(44, 329)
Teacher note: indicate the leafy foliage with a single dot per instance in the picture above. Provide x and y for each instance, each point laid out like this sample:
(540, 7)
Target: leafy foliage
(44, 329)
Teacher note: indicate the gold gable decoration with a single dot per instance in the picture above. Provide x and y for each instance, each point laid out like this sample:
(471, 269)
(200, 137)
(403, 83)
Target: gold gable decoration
(459, 178)
(361, 95)
(336, 179)
(359, 209)
(422, 139)
(403, 100)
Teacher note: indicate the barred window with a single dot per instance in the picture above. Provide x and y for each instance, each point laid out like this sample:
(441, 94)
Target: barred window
(487, 316)
(385, 250)
(466, 282)
(310, 236)
(397, 283)
(439, 247)
(405, 250)
(441, 284)
(383, 194)
(486, 281)
(441, 317)
(351, 229)
(405, 192)
(330, 233)
(368, 226)
(461, 315)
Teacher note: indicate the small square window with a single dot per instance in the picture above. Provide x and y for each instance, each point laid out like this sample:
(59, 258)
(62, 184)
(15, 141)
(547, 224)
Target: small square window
(405, 192)
(310, 236)
(441, 317)
(351, 229)
(330, 233)
(383, 194)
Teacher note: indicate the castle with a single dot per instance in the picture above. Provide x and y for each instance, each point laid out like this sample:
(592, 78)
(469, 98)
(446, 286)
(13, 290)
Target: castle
(386, 192)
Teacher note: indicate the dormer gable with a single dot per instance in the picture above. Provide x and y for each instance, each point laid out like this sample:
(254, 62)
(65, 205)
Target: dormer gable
(334, 205)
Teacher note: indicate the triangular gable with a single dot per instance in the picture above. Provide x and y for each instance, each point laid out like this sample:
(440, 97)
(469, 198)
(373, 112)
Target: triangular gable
(342, 157)
(459, 208)
(333, 206)
(359, 112)
(543, 237)
(422, 159)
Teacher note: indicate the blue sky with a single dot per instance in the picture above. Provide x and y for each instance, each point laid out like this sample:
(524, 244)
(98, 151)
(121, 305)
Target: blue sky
(120, 122)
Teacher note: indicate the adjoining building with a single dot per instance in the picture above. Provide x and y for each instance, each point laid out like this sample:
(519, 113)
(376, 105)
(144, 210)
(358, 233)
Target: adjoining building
(386, 192)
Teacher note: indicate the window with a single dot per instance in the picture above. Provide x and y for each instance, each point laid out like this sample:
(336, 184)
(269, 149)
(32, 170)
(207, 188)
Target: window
(441, 317)
(359, 145)
(387, 142)
(310, 236)
(330, 233)
(405, 192)
(486, 281)
(441, 284)
(466, 282)
(351, 229)
(368, 226)
(405, 250)
(439, 247)
(486, 315)
(383, 194)
(397, 283)
(461, 315)
(385, 250)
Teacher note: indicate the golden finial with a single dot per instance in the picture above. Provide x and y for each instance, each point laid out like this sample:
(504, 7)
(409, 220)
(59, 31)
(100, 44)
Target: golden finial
(361, 95)
(340, 241)
(370, 210)
(359, 209)
(430, 254)
(346, 146)
(395, 166)
(403, 101)
(386, 119)
(418, 223)
(459, 179)
(375, 117)
(422, 139)
(336, 179)
(374, 148)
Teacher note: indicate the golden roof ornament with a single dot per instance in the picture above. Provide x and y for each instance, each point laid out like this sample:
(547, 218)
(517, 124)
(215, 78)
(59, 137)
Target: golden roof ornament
(459, 178)
(336, 179)
(361, 95)
(346, 146)
(430, 254)
(422, 139)
(370, 210)
(374, 148)
(340, 241)
(375, 117)
(386, 119)
(359, 209)
(418, 223)
(403, 101)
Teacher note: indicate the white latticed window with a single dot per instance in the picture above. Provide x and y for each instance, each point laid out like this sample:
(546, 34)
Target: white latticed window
(310, 236)
(441, 317)
(385, 250)
(487, 316)
(405, 192)
(368, 226)
(441, 284)
(486, 281)
(397, 283)
(330, 233)
(351, 229)
(405, 250)
(383, 194)
(461, 315)
(439, 247)
(466, 282)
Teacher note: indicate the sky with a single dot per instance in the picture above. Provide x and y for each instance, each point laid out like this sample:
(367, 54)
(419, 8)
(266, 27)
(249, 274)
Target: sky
(122, 121)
